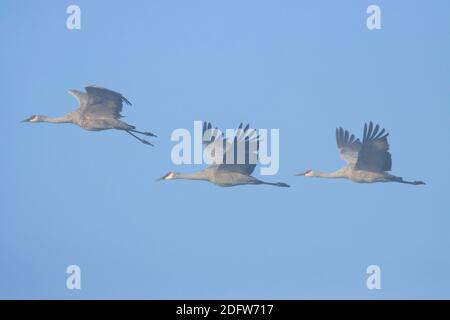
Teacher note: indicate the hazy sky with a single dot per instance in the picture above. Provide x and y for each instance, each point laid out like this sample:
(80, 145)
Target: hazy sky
(70, 196)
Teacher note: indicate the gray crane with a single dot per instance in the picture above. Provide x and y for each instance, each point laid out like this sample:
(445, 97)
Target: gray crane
(367, 162)
(99, 109)
(221, 172)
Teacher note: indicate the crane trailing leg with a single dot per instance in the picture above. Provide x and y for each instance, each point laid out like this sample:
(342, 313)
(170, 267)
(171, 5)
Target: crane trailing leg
(146, 133)
(400, 180)
(277, 184)
(140, 139)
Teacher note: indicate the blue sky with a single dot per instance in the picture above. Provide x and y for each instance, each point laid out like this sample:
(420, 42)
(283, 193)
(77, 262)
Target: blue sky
(70, 196)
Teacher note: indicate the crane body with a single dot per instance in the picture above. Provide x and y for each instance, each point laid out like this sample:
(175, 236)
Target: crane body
(222, 173)
(99, 109)
(367, 161)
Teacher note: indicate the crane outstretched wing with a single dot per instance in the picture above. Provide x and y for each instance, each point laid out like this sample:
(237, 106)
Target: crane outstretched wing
(374, 155)
(348, 146)
(238, 154)
(103, 102)
(82, 97)
(213, 141)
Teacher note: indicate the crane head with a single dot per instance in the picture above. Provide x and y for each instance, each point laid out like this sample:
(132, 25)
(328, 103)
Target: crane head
(34, 118)
(168, 176)
(307, 173)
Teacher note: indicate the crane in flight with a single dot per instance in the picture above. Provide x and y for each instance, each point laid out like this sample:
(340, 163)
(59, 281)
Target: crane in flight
(221, 172)
(367, 162)
(99, 109)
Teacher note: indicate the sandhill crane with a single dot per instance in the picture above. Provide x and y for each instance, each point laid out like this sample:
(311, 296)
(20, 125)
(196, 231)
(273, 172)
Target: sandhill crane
(221, 172)
(367, 162)
(99, 109)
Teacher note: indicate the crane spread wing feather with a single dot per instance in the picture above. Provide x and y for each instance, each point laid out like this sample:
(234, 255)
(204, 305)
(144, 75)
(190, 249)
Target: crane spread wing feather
(82, 97)
(227, 152)
(348, 146)
(103, 102)
(213, 141)
(374, 155)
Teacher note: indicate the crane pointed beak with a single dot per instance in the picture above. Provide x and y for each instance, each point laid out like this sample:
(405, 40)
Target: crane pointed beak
(29, 119)
(303, 173)
(167, 176)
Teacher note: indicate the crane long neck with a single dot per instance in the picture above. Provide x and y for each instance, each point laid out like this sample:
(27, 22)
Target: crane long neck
(64, 119)
(329, 175)
(201, 175)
